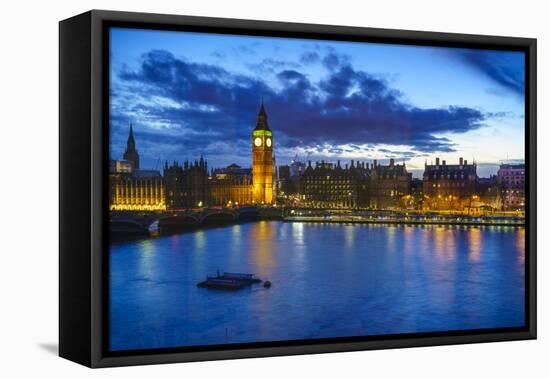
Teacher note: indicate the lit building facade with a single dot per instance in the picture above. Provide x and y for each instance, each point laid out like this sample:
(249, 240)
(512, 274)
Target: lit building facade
(121, 166)
(359, 185)
(284, 184)
(187, 185)
(191, 185)
(416, 195)
(139, 191)
(488, 191)
(231, 186)
(132, 189)
(389, 185)
(332, 186)
(297, 167)
(262, 161)
(511, 180)
(450, 186)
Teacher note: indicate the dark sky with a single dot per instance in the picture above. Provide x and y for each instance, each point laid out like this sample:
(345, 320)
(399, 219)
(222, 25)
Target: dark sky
(189, 94)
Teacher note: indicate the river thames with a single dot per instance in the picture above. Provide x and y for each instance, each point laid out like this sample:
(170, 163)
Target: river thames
(328, 280)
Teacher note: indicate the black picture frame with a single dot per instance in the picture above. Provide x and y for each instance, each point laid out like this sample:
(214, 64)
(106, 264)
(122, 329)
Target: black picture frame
(83, 196)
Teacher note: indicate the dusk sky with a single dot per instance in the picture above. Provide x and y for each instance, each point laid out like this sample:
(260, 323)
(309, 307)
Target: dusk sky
(188, 94)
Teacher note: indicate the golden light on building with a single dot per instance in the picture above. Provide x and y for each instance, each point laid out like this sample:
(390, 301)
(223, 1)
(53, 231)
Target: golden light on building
(159, 207)
(449, 187)
(231, 188)
(133, 189)
(262, 160)
(132, 193)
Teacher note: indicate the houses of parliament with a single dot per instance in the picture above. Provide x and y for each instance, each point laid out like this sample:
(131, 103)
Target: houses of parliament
(192, 184)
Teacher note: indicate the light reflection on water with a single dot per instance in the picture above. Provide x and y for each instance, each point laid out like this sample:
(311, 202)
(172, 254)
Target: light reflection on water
(329, 280)
(474, 243)
(520, 247)
(146, 259)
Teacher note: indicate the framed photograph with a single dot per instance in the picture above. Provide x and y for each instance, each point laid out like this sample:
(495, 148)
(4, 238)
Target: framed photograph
(234, 188)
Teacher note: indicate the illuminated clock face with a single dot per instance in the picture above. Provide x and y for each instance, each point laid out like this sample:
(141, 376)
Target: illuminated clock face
(268, 142)
(258, 142)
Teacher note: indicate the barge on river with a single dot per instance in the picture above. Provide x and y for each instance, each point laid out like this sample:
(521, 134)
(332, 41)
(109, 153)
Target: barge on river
(229, 281)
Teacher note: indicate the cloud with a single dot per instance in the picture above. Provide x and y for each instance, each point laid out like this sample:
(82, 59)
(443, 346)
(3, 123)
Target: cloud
(219, 54)
(310, 57)
(196, 106)
(334, 60)
(246, 49)
(507, 69)
(270, 65)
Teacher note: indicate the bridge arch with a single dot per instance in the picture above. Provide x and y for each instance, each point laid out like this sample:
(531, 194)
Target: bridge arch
(219, 217)
(248, 213)
(127, 228)
(180, 218)
(179, 222)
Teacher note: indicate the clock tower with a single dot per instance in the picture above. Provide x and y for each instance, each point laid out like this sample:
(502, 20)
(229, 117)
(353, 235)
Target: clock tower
(262, 160)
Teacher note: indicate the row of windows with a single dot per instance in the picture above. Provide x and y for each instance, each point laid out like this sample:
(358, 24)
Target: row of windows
(516, 183)
(328, 198)
(390, 193)
(137, 200)
(331, 203)
(449, 185)
(139, 192)
(392, 177)
(325, 194)
(450, 177)
(327, 183)
(328, 187)
(512, 173)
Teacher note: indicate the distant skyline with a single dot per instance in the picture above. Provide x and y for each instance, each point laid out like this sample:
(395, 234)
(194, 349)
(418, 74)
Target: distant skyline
(188, 94)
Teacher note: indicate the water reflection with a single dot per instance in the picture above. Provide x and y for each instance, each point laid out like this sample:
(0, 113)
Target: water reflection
(409, 244)
(444, 240)
(200, 240)
(474, 244)
(329, 280)
(520, 245)
(261, 240)
(146, 259)
(390, 235)
(236, 232)
(349, 233)
(298, 232)
(175, 242)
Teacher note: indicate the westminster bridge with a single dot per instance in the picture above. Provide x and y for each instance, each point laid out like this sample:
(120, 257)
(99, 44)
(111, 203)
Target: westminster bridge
(137, 223)
(140, 224)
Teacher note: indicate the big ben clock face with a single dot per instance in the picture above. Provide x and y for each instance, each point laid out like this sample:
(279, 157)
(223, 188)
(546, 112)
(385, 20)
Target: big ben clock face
(258, 142)
(268, 142)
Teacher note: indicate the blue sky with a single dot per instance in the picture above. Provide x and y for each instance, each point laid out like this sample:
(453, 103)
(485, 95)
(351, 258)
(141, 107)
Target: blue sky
(189, 94)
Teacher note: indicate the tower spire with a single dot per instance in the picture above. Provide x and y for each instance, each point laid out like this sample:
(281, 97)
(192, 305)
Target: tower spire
(131, 141)
(261, 122)
(262, 108)
(131, 153)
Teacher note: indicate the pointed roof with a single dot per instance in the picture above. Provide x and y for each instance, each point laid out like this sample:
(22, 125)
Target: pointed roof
(261, 121)
(131, 143)
(131, 136)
